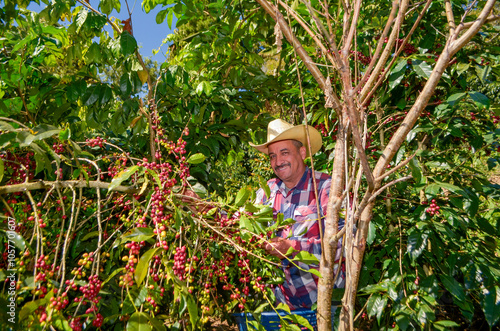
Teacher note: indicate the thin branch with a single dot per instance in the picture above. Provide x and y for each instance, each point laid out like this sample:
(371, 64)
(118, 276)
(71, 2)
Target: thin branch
(396, 168)
(378, 50)
(18, 123)
(332, 57)
(402, 179)
(456, 45)
(352, 30)
(292, 39)
(490, 19)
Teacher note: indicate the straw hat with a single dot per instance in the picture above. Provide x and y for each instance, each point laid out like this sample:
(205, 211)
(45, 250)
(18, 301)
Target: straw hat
(279, 130)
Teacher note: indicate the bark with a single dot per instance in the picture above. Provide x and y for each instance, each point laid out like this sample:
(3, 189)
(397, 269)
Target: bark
(326, 268)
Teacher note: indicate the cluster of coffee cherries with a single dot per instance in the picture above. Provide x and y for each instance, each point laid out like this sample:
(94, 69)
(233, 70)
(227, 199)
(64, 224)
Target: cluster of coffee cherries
(86, 260)
(409, 49)
(42, 267)
(179, 262)
(496, 119)
(365, 60)
(76, 324)
(59, 303)
(58, 147)
(21, 165)
(321, 128)
(95, 142)
(433, 208)
(164, 171)
(92, 289)
(132, 258)
(97, 322)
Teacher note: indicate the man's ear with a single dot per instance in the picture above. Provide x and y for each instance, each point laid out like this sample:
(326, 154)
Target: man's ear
(303, 152)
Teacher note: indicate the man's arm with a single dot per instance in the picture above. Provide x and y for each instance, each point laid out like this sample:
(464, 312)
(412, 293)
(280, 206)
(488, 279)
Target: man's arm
(278, 246)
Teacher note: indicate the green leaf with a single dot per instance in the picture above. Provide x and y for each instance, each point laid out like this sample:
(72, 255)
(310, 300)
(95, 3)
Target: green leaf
(264, 186)
(305, 257)
(246, 223)
(453, 287)
(483, 72)
(128, 43)
(455, 98)
(81, 17)
(113, 274)
(31, 306)
(42, 132)
(137, 234)
(196, 158)
(155, 176)
(6, 138)
(481, 100)
(141, 297)
(170, 17)
(138, 322)
(90, 235)
(397, 74)
(61, 323)
(371, 233)
(376, 305)
(192, 310)
(242, 196)
(141, 269)
(300, 320)
(416, 244)
(160, 17)
(491, 305)
(123, 175)
(65, 134)
(16, 238)
(415, 170)
(125, 84)
(448, 324)
(422, 69)
(157, 324)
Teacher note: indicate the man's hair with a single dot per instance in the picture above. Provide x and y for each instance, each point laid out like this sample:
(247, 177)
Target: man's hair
(297, 144)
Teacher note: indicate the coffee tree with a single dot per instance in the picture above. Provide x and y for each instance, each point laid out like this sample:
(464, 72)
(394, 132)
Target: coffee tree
(97, 181)
(392, 83)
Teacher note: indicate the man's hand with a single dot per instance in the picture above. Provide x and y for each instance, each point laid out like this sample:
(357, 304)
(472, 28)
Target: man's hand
(278, 246)
(194, 202)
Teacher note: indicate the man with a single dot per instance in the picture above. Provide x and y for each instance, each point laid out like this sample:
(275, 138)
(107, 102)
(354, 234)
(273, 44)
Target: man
(293, 194)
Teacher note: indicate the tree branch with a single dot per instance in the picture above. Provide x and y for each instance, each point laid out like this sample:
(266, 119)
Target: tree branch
(332, 57)
(456, 45)
(380, 190)
(450, 17)
(306, 59)
(65, 184)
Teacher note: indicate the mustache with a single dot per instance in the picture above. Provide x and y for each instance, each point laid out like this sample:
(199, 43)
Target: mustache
(282, 166)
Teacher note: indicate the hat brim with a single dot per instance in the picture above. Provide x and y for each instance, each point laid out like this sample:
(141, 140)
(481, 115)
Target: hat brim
(298, 133)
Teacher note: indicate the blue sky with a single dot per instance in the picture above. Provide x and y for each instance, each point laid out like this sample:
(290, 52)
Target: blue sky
(148, 34)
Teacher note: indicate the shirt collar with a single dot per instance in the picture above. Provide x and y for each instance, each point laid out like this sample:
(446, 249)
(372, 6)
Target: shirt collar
(301, 185)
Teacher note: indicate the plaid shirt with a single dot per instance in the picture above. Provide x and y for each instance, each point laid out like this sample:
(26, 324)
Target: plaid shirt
(299, 203)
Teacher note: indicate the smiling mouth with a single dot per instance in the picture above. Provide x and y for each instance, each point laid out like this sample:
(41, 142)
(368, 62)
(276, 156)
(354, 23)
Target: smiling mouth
(281, 167)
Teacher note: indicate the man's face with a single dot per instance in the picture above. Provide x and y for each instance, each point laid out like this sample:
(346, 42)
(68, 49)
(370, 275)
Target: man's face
(287, 161)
